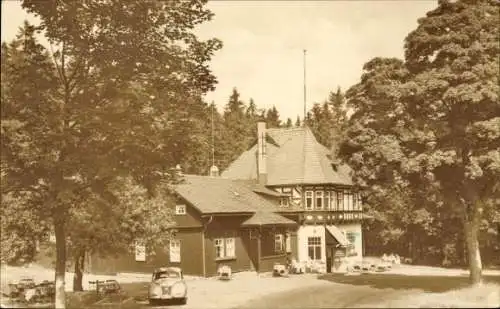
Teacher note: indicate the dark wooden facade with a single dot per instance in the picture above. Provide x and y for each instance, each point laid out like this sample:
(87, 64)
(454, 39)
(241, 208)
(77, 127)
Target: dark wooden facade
(253, 247)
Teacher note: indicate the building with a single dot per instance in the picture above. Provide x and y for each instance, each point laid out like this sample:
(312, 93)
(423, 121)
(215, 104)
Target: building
(283, 199)
(292, 162)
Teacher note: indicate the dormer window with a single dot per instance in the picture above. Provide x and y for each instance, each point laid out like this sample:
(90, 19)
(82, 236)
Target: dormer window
(180, 209)
(309, 200)
(284, 201)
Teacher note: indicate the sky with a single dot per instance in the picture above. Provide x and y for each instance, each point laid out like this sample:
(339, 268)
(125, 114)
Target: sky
(264, 41)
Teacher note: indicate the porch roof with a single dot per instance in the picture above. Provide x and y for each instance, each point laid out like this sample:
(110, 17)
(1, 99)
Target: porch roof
(338, 235)
(267, 218)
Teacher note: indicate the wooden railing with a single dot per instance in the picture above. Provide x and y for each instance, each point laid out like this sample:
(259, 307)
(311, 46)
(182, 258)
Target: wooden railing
(331, 216)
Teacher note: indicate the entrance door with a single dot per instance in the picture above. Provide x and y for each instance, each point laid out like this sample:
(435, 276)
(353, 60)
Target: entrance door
(329, 259)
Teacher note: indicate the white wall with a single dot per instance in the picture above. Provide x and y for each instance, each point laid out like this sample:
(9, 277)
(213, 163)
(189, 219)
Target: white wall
(355, 228)
(303, 233)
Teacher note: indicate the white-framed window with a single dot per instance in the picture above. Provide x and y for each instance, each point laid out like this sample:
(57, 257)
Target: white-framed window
(333, 205)
(224, 247)
(319, 199)
(180, 209)
(230, 250)
(278, 243)
(219, 248)
(140, 251)
(327, 200)
(309, 200)
(346, 201)
(351, 201)
(340, 201)
(175, 251)
(288, 242)
(314, 248)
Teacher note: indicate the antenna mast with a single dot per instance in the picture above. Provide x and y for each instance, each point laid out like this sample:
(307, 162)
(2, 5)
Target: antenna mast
(213, 137)
(305, 93)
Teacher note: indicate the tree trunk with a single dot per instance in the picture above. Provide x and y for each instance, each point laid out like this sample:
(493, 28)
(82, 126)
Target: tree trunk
(471, 230)
(78, 278)
(60, 299)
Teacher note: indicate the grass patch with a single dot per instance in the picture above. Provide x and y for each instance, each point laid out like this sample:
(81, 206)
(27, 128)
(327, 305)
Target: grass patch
(433, 284)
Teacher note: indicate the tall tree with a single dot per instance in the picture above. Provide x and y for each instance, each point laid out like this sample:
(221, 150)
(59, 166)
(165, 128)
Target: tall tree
(453, 95)
(429, 125)
(327, 120)
(273, 118)
(97, 230)
(105, 96)
(288, 123)
(235, 129)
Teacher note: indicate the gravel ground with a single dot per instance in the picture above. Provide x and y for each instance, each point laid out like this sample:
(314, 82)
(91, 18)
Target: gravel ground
(243, 288)
(250, 290)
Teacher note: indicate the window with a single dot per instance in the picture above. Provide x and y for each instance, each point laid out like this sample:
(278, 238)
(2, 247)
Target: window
(180, 209)
(278, 243)
(175, 251)
(351, 237)
(351, 201)
(140, 251)
(309, 200)
(327, 200)
(359, 202)
(334, 201)
(288, 242)
(224, 248)
(346, 201)
(314, 248)
(284, 201)
(219, 248)
(319, 199)
(340, 201)
(230, 247)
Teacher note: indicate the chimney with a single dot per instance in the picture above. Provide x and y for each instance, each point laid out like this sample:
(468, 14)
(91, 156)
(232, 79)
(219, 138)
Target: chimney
(261, 153)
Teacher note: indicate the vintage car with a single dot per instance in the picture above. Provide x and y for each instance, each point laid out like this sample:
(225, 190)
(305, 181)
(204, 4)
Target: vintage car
(167, 285)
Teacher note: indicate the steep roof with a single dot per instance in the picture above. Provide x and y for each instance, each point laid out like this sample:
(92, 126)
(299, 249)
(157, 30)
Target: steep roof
(219, 195)
(298, 159)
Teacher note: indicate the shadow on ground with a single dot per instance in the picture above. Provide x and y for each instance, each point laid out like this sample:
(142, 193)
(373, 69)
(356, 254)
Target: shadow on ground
(435, 284)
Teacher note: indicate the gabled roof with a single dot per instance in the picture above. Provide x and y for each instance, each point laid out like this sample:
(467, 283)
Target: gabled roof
(298, 159)
(219, 195)
(267, 218)
(263, 190)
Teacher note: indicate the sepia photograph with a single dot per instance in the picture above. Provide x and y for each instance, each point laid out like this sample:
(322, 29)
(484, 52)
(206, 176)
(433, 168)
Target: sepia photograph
(237, 154)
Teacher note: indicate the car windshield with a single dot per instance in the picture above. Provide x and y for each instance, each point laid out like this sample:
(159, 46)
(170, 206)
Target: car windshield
(166, 274)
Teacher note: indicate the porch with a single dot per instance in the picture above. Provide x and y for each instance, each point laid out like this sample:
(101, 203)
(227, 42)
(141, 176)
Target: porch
(271, 238)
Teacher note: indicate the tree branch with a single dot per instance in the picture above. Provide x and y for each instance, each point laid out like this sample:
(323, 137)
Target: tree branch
(56, 64)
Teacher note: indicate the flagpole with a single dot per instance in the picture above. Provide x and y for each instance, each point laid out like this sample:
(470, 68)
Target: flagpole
(213, 135)
(305, 93)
